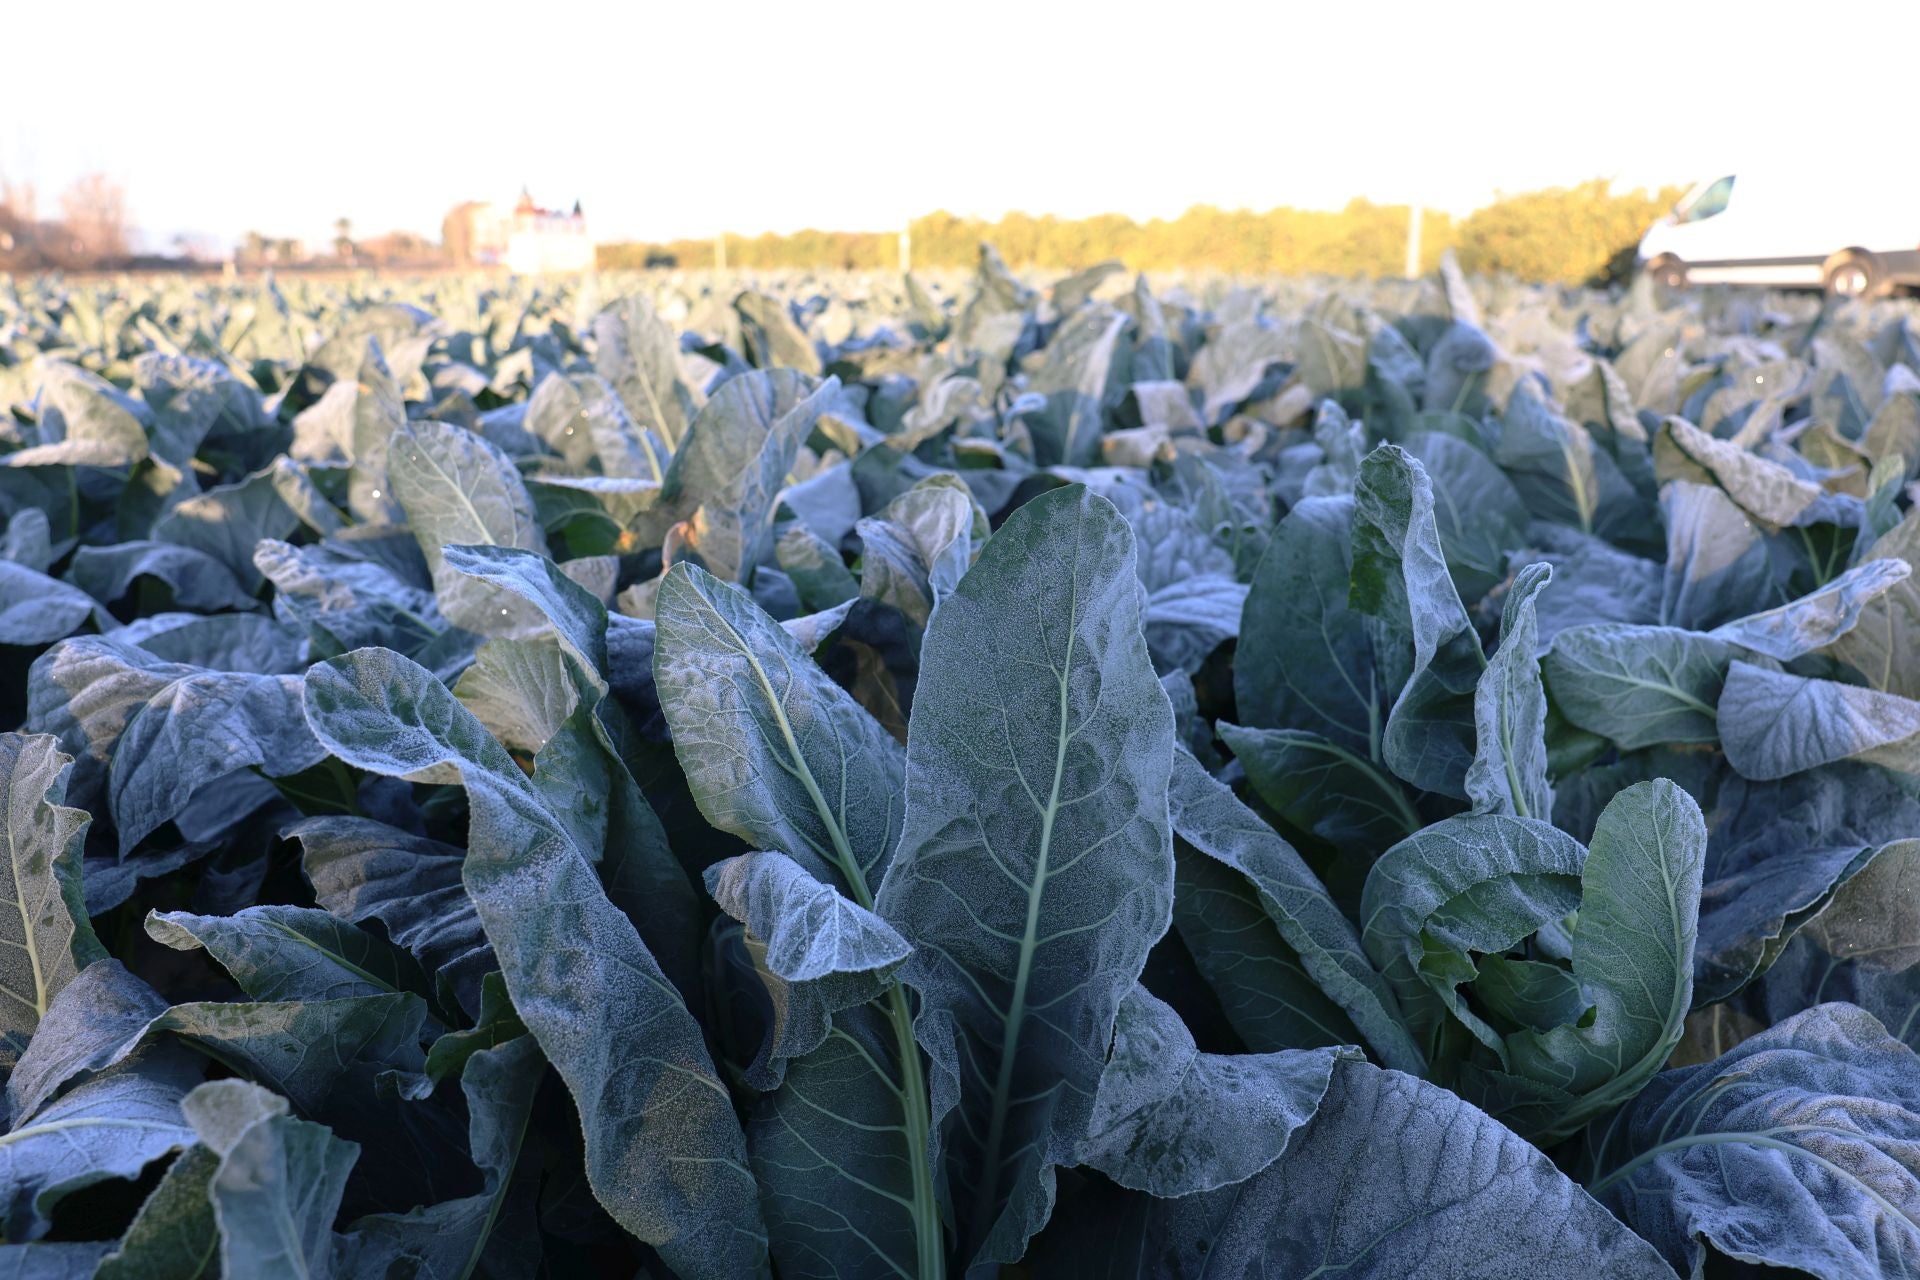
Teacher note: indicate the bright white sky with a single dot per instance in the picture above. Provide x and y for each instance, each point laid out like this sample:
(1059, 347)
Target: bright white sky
(680, 119)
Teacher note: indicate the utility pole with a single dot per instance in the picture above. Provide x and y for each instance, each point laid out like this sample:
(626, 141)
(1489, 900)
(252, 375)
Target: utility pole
(906, 248)
(720, 252)
(1413, 241)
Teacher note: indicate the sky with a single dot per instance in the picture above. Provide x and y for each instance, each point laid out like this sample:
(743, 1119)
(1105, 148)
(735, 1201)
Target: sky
(681, 120)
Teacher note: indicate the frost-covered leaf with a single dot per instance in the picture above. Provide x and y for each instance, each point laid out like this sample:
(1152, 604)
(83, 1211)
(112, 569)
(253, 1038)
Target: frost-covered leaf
(1035, 868)
(1799, 1148)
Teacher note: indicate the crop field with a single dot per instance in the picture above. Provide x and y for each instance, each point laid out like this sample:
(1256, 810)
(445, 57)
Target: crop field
(845, 776)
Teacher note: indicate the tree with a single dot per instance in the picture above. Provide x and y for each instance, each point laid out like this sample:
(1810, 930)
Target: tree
(94, 212)
(343, 237)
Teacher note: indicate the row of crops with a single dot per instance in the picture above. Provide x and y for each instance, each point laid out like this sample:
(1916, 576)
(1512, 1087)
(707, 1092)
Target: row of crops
(862, 777)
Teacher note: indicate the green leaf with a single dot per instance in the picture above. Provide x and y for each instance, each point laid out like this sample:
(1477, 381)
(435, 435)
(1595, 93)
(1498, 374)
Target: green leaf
(1297, 606)
(293, 953)
(1391, 1177)
(1035, 869)
(175, 1235)
(1476, 883)
(457, 489)
(1796, 1149)
(1632, 955)
(1320, 786)
(1173, 1121)
(1509, 769)
(1266, 996)
(736, 455)
(819, 952)
(1639, 686)
(1773, 724)
(366, 870)
(664, 1152)
(1400, 578)
(47, 935)
(1207, 816)
(774, 751)
(37, 610)
(111, 1126)
(1819, 618)
(278, 1184)
(636, 351)
(496, 1230)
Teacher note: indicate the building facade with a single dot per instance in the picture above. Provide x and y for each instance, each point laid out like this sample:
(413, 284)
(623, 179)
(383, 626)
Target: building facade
(526, 239)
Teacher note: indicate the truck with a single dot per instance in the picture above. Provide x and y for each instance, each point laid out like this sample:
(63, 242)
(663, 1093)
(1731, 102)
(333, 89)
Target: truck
(1854, 233)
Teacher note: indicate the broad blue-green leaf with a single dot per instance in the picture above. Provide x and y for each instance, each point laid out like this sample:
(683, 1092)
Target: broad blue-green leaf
(1632, 954)
(1637, 685)
(635, 350)
(363, 1085)
(1400, 578)
(1074, 379)
(1297, 607)
(1194, 603)
(1593, 581)
(366, 870)
(458, 490)
(495, 1230)
(47, 938)
(1749, 916)
(278, 1184)
(1265, 992)
(224, 642)
(354, 422)
(772, 338)
(820, 951)
(1476, 883)
(97, 1015)
(1819, 618)
(84, 420)
(1879, 645)
(28, 540)
(229, 520)
(1555, 467)
(1392, 1179)
(1321, 787)
(1717, 563)
(664, 1152)
(1767, 490)
(1173, 1121)
(582, 419)
(195, 579)
(346, 601)
(201, 727)
(1207, 816)
(1509, 769)
(580, 767)
(820, 576)
(111, 1126)
(1773, 724)
(840, 1152)
(175, 1235)
(734, 459)
(774, 751)
(1798, 1149)
(1479, 513)
(916, 550)
(1036, 865)
(96, 694)
(37, 610)
(293, 953)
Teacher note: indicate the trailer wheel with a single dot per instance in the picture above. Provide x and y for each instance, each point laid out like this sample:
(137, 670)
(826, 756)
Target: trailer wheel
(1853, 273)
(1668, 271)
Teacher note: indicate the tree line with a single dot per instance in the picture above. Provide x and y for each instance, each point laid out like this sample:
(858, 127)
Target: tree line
(1568, 235)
